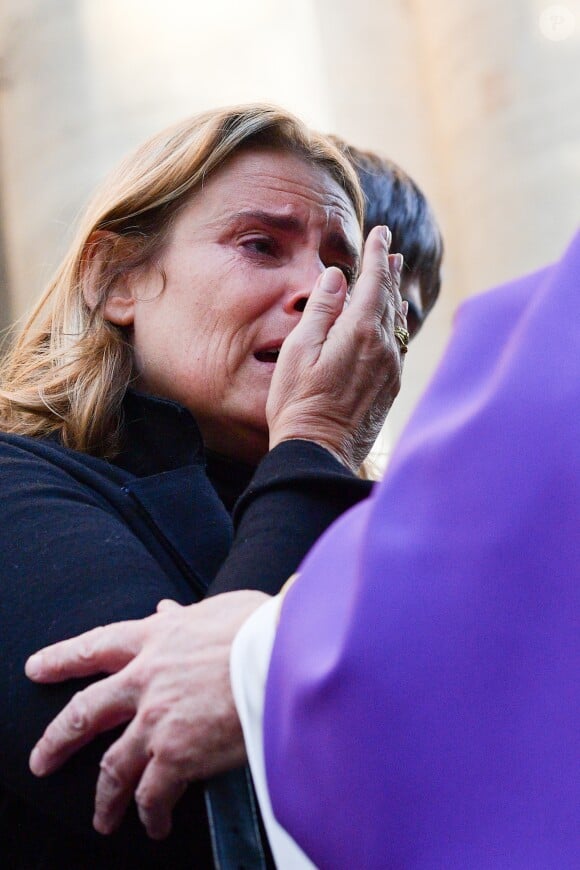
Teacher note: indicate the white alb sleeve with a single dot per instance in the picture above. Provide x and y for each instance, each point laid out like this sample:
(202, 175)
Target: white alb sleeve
(249, 662)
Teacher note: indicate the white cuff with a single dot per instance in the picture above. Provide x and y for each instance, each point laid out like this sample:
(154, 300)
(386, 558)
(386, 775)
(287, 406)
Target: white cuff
(249, 663)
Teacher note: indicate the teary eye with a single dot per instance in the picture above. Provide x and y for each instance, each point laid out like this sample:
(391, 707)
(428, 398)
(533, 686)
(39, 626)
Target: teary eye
(264, 245)
(349, 274)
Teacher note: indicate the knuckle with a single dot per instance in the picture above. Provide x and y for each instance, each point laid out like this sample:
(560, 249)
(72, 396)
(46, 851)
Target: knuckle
(393, 373)
(368, 332)
(131, 682)
(77, 719)
(151, 714)
(109, 768)
(393, 379)
(88, 644)
(175, 747)
(147, 799)
(362, 330)
(168, 751)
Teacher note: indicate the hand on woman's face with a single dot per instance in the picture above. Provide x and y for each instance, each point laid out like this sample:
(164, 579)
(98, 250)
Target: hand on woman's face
(340, 370)
(239, 265)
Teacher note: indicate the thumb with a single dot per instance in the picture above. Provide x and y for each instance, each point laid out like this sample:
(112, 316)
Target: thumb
(322, 309)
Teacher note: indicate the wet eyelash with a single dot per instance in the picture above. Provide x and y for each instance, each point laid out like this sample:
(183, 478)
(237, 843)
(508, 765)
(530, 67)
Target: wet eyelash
(268, 244)
(348, 272)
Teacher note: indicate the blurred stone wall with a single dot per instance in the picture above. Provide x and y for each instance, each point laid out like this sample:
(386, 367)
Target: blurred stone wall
(478, 99)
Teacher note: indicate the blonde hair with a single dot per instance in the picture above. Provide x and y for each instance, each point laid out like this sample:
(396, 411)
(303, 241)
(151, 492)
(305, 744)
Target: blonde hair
(68, 370)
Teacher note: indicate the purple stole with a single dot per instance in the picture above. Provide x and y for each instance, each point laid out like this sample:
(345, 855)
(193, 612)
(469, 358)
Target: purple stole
(422, 706)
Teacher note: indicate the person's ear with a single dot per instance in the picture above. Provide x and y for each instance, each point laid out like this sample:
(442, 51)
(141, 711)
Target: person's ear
(104, 281)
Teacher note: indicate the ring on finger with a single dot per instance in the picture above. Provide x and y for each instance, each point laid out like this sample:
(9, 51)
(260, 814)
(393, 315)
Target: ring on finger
(402, 336)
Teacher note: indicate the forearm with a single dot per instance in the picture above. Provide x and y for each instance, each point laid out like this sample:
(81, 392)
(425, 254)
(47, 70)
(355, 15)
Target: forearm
(298, 491)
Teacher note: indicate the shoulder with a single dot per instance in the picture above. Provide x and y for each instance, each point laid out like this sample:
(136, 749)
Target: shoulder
(43, 470)
(25, 452)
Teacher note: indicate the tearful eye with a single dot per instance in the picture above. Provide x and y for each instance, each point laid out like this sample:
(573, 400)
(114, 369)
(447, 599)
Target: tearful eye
(349, 274)
(262, 245)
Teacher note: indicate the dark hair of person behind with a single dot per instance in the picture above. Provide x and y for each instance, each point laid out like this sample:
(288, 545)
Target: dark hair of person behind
(394, 199)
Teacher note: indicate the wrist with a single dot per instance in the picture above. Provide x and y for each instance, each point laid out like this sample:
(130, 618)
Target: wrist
(343, 456)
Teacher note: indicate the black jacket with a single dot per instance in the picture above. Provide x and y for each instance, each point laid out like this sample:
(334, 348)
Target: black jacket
(85, 542)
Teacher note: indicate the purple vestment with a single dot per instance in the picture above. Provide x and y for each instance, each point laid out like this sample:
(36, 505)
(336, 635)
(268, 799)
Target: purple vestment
(422, 699)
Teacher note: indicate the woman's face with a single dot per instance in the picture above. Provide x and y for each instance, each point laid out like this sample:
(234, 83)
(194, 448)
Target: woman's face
(240, 262)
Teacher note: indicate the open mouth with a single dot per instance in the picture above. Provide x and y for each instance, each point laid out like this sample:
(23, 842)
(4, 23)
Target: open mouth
(268, 355)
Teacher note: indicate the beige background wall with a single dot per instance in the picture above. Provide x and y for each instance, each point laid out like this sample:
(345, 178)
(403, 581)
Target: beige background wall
(479, 104)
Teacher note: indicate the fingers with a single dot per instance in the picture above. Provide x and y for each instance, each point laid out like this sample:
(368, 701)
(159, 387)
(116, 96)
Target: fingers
(203, 754)
(95, 709)
(129, 769)
(158, 792)
(333, 365)
(325, 304)
(102, 650)
(398, 306)
(377, 293)
(155, 764)
(121, 769)
(177, 689)
(374, 286)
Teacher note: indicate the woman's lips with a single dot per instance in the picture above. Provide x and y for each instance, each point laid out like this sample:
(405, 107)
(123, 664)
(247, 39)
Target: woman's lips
(268, 354)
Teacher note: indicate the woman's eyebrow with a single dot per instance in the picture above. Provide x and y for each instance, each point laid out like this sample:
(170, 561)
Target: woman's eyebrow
(292, 224)
(287, 223)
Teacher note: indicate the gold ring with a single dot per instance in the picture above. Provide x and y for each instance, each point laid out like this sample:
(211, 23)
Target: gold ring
(402, 337)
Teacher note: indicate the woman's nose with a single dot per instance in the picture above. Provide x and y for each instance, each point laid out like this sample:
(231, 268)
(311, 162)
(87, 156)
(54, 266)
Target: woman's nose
(303, 282)
(299, 304)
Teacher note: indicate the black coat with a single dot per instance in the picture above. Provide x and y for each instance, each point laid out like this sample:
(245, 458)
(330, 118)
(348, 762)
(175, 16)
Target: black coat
(85, 542)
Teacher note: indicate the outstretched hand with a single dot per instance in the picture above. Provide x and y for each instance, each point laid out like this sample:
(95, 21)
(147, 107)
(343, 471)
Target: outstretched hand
(339, 370)
(170, 676)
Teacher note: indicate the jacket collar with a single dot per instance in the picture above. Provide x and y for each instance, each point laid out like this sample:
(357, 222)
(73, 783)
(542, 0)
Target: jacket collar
(158, 436)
